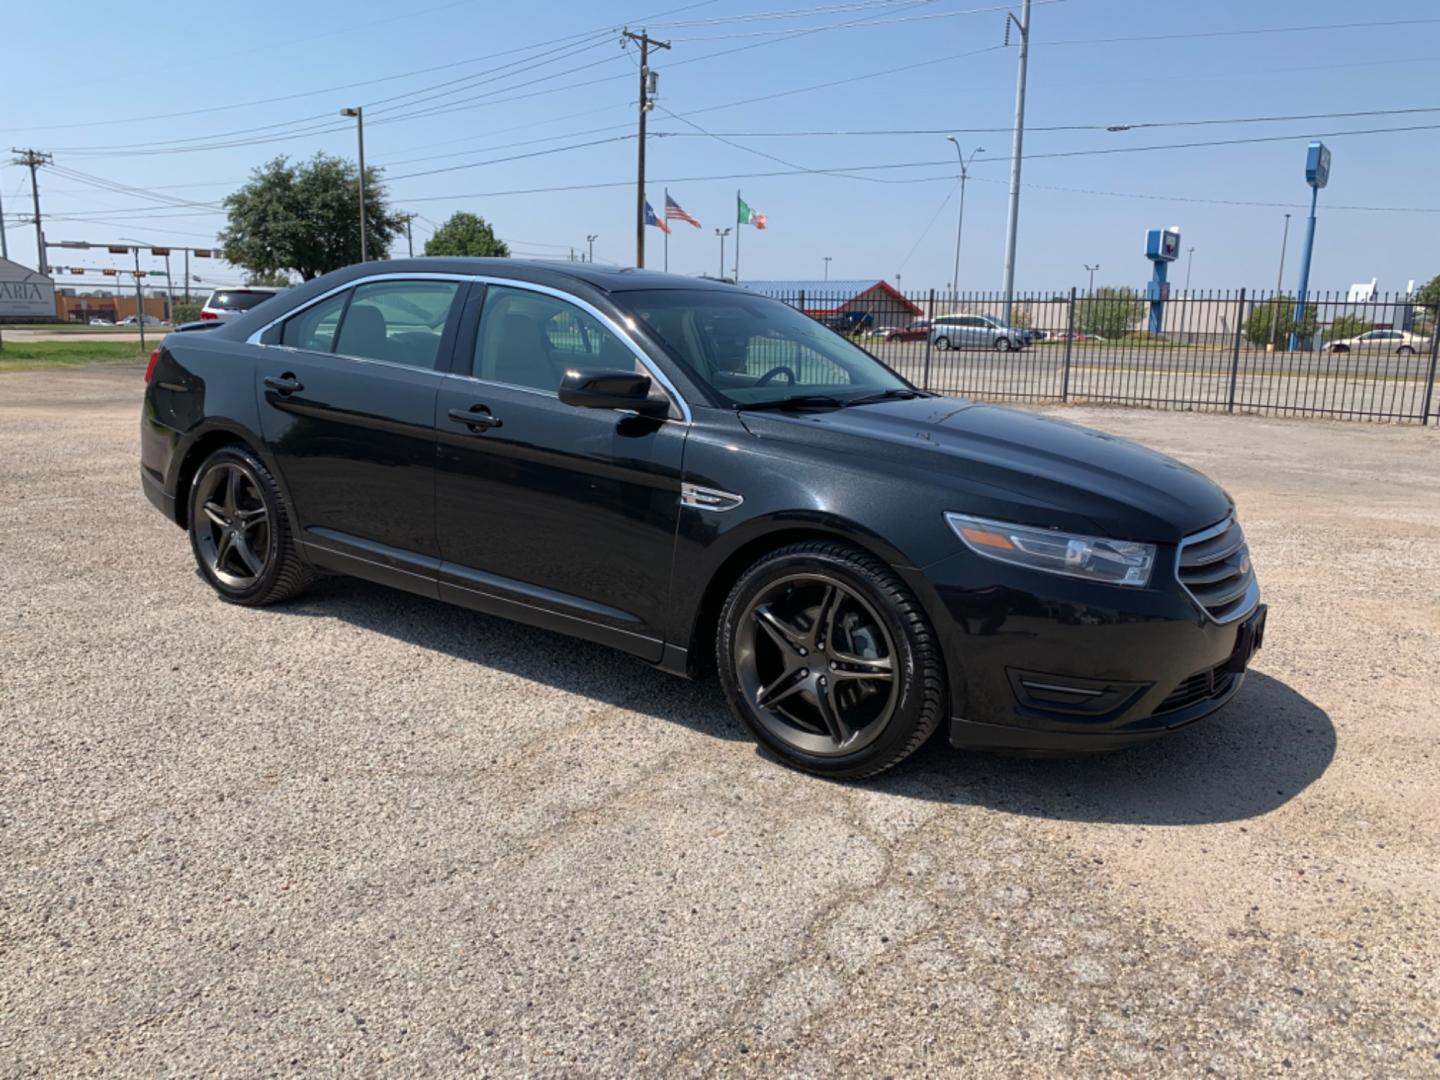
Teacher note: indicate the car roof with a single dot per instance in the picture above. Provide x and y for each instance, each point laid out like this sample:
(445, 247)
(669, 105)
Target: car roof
(559, 273)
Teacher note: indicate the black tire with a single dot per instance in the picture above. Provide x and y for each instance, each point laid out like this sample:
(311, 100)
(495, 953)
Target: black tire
(1002, 344)
(1405, 350)
(241, 535)
(915, 693)
(942, 343)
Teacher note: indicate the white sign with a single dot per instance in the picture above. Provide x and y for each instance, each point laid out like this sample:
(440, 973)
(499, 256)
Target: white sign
(25, 293)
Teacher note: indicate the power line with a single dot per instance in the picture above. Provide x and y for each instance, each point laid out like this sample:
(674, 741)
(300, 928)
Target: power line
(1247, 32)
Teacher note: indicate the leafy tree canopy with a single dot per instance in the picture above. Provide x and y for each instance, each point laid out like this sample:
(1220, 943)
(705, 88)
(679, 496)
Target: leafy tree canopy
(1429, 295)
(302, 218)
(1271, 321)
(1346, 326)
(1110, 311)
(466, 235)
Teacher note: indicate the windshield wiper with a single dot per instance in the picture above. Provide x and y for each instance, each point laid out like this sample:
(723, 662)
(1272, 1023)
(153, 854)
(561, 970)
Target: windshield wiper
(797, 401)
(899, 393)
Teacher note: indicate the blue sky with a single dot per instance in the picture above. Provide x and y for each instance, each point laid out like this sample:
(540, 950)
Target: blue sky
(92, 89)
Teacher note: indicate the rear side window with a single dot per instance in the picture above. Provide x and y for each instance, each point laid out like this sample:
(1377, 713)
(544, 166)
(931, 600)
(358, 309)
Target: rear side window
(400, 322)
(237, 299)
(314, 328)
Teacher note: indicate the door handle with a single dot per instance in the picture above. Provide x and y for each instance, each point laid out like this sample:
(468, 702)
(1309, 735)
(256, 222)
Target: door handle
(285, 384)
(477, 418)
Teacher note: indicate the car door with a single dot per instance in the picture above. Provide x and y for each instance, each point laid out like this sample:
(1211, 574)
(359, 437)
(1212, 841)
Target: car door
(347, 392)
(547, 512)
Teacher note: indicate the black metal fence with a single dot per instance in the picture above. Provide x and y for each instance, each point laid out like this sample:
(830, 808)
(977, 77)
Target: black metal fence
(1241, 351)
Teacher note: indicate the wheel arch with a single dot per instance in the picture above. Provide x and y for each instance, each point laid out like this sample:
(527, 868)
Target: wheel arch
(775, 534)
(202, 445)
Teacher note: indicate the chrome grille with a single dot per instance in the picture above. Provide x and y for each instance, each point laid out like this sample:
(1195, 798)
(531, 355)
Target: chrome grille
(1214, 566)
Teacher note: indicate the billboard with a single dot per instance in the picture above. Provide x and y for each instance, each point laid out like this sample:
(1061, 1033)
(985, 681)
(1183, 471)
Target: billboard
(24, 293)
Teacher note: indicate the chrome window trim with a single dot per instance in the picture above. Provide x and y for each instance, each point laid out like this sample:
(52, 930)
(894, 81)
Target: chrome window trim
(619, 331)
(1252, 594)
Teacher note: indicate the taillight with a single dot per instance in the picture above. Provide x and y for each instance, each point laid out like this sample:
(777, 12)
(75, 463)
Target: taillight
(150, 367)
(208, 316)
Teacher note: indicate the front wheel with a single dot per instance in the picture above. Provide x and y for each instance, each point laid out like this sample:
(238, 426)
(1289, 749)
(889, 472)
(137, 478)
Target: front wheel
(1405, 350)
(942, 343)
(1002, 344)
(827, 657)
(239, 532)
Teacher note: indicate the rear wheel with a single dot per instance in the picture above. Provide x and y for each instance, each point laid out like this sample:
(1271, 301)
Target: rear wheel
(826, 656)
(239, 531)
(1002, 344)
(942, 343)
(1405, 350)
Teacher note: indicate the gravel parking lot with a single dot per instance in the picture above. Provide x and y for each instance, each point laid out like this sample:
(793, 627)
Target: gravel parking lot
(365, 833)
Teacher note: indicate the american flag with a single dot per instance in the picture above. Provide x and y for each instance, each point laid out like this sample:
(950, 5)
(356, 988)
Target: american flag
(674, 212)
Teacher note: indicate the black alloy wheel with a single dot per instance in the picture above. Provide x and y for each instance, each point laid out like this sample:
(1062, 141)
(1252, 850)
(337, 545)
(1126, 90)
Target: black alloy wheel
(239, 532)
(828, 658)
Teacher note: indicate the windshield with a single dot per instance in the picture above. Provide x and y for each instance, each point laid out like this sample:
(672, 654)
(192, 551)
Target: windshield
(752, 350)
(238, 299)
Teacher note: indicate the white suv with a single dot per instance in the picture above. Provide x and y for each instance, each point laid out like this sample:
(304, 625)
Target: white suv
(225, 304)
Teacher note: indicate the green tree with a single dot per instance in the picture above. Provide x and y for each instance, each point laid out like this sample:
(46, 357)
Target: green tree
(275, 281)
(1109, 312)
(1429, 296)
(1346, 326)
(302, 218)
(466, 235)
(1271, 321)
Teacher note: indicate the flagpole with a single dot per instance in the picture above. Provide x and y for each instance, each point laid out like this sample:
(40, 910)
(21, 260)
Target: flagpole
(737, 236)
(666, 212)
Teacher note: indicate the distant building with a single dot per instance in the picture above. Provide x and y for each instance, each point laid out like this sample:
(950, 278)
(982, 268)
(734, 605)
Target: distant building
(25, 293)
(873, 297)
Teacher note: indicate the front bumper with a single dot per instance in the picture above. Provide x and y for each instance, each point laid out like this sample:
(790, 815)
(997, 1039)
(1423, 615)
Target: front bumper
(1079, 667)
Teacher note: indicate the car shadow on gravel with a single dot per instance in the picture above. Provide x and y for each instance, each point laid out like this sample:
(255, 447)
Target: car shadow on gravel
(568, 664)
(1254, 755)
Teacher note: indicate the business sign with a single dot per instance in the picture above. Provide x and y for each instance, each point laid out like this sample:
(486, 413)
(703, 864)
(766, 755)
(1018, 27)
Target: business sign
(24, 293)
(1317, 165)
(1163, 245)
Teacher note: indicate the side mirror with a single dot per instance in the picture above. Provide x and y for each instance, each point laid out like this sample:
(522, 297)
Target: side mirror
(610, 389)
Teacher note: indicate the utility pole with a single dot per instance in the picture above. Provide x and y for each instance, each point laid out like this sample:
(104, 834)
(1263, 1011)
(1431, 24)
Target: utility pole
(590, 239)
(4, 243)
(358, 112)
(1023, 24)
(647, 95)
(409, 240)
(34, 159)
(187, 275)
(139, 300)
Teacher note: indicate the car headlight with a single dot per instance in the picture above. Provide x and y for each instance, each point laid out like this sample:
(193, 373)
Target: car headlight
(1094, 558)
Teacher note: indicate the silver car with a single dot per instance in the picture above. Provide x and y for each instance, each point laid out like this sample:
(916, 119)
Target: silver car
(1377, 341)
(976, 332)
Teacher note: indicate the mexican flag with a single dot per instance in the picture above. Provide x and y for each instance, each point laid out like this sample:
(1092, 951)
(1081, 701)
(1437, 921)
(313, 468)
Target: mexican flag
(746, 216)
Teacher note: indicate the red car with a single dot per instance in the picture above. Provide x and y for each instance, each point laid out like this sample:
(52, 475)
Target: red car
(914, 332)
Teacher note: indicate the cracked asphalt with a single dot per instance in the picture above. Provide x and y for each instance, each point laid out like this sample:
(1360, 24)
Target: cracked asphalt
(364, 833)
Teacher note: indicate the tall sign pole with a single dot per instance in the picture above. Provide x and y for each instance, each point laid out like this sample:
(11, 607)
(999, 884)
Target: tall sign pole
(647, 93)
(1024, 26)
(1162, 247)
(1317, 175)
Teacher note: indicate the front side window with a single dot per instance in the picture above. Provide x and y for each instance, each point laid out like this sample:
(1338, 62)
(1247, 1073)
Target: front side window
(400, 322)
(750, 349)
(529, 339)
(314, 328)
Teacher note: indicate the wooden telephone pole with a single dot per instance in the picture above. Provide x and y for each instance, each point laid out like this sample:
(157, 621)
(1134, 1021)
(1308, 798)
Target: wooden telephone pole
(647, 93)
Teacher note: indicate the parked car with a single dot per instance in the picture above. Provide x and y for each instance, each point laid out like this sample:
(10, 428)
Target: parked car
(707, 479)
(145, 319)
(976, 332)
(224, 304)
(1381, 341)
(916, 331)
(102, 322)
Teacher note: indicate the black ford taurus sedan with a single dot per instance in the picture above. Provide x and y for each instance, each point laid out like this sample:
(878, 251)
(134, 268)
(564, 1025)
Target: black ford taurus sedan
(704, 477)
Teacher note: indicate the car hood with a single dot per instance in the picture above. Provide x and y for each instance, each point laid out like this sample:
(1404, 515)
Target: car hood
(1041, 470)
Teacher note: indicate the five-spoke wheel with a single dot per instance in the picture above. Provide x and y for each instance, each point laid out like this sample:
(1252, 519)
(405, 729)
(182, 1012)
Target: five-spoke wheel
(828, 658)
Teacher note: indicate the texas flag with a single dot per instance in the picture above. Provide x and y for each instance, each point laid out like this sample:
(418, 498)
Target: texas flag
(651, 219)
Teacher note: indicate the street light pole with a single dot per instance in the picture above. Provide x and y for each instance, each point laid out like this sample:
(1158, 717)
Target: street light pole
(960, 220)
(1189, 265)
(590, 239)
(1092, 270)
(358, 112)
(1023, 24)
(827, 267)
(722, 233)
